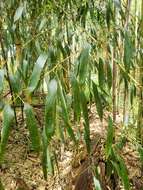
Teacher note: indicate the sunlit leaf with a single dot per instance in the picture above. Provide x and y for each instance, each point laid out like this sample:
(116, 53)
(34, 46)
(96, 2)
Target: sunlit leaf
(50, 109)
(38, 67)
(18, 13)
(96, 183)
(42, 23)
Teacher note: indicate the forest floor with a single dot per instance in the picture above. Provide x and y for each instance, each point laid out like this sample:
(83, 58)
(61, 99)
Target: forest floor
(22, 168)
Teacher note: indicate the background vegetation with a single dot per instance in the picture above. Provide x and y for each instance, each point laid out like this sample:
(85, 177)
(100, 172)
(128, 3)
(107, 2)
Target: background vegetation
(62, 57)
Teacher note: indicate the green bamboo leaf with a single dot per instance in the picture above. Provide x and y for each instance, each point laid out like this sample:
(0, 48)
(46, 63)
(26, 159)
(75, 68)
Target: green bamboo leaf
(86, 120)
(1, 79)
(96, 183)
(110, 136)
(117, 4)
(16, 82)
(124, 175)
(108, 14)
(101, 73)
(8, 116)
(65, 112)
(50, 109)
(44, 155)
(109, 75)
(116, 167)
(83, 65)
(98, 101)
(140, 150)
(122, 142)
(47, 163)
(18, 13)
(42, 23)
(128, 51)
(121, 169)
(50, 162)
(76, 99)
(33, 128)
(35, 77)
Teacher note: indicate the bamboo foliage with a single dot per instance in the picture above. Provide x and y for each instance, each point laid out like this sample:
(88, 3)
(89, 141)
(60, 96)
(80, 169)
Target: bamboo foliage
(8, 116)
(84, 50)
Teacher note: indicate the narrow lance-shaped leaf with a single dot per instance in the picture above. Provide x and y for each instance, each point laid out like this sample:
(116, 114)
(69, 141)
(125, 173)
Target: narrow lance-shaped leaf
(128, 51)
(83, 65)
(8, 116)
(47, 163)
(42, 23)
(44, 155)
(121, 169)
(1, 79)
(96, 183)
(18, 12)
(16, 82)
(109, 75)
(98, 102)
(76, 99)
(50, 109)
(101, 73)
(65, 112)
(124, 174)
(110, 136)
(108, 14)
(33, 128)
(35, 77)
(86, 121)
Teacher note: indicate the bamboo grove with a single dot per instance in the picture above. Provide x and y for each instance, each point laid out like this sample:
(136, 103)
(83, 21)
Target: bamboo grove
(63, 56)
